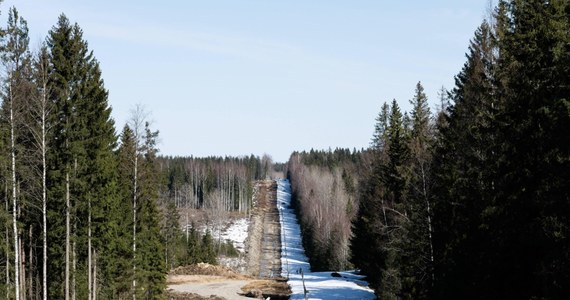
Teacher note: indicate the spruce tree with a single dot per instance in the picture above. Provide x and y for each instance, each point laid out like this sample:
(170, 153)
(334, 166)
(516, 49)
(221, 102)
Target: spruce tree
(82, 176)
(463, 169)
(378, 230)
(531, 220)
(151, 267)
(122, 271)
(501, 165)
(417, 247)
(62, 77)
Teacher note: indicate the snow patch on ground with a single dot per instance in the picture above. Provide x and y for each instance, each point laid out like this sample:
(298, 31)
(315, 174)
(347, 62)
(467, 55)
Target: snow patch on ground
(236, 232)
(319, 285)
(233, 230)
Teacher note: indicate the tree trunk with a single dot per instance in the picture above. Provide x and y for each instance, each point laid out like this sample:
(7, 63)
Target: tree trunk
(135, 222)
(7, 233)
(74, 265)
(94, 275)
(31, 268)
(67, 235)
(22, 269)
(430, 230)
(44, 200)
(89, 258)
(14, 201)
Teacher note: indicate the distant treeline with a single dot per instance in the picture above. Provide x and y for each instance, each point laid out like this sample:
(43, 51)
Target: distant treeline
(196, 182)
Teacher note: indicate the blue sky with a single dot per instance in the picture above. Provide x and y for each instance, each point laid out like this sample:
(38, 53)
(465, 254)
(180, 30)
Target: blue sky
(259, 76)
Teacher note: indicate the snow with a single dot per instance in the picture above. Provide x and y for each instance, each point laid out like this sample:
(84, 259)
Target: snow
(320, 285)
(236, 232)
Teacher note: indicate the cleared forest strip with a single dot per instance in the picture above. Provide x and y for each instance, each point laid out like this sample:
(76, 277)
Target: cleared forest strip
(264, 241)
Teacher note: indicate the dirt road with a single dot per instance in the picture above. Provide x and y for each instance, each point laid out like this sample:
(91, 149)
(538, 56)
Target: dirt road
(208, 282)
(264, 241)
(209, 287)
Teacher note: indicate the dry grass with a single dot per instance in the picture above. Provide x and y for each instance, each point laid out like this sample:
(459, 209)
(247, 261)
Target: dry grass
(274, 288)
(172, 295)
(207, 269)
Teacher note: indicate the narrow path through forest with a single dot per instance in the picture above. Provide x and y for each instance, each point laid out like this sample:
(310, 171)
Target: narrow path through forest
(264, 241)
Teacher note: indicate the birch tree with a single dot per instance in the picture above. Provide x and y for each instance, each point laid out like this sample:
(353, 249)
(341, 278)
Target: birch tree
(136, 124)
(40, 110)
(14, 57)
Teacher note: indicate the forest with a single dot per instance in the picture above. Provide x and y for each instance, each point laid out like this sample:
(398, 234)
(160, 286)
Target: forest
(80, 217)
(470, 201)
(88, 213)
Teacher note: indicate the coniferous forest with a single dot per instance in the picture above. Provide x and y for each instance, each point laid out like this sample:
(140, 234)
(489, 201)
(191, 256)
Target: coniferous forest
(473, 202)
(468, 199)
(80, 216)
(88, 213)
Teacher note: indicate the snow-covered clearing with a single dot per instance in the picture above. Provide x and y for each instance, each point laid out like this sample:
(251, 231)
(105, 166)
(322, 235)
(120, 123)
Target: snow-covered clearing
(236, 232)
(319, 285)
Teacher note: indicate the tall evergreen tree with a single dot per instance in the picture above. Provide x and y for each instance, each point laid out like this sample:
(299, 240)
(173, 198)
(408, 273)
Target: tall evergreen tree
(417, 246)
(502, 164)
(379, 135)
(463, 166)
(82, 176)
(378, 230)
(63, 55)
(530, 223)
(150, 260)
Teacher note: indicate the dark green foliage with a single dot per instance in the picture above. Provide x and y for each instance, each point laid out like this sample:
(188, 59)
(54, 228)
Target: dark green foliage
(227, 249)
(392, 241)
(81, 159)
(502, 164)
(208, 254)
(493, 182)
(170, 234)
(150, 260)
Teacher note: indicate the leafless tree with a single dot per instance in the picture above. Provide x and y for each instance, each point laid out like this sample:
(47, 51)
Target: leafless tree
(137, 123)
(40, 109)
(215, 212)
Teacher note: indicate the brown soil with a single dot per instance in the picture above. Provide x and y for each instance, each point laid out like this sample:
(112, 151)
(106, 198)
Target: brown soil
(206, 269)
(173, 295)
(263, 246)
(268, 288)
(263, 252)
(205, 281)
